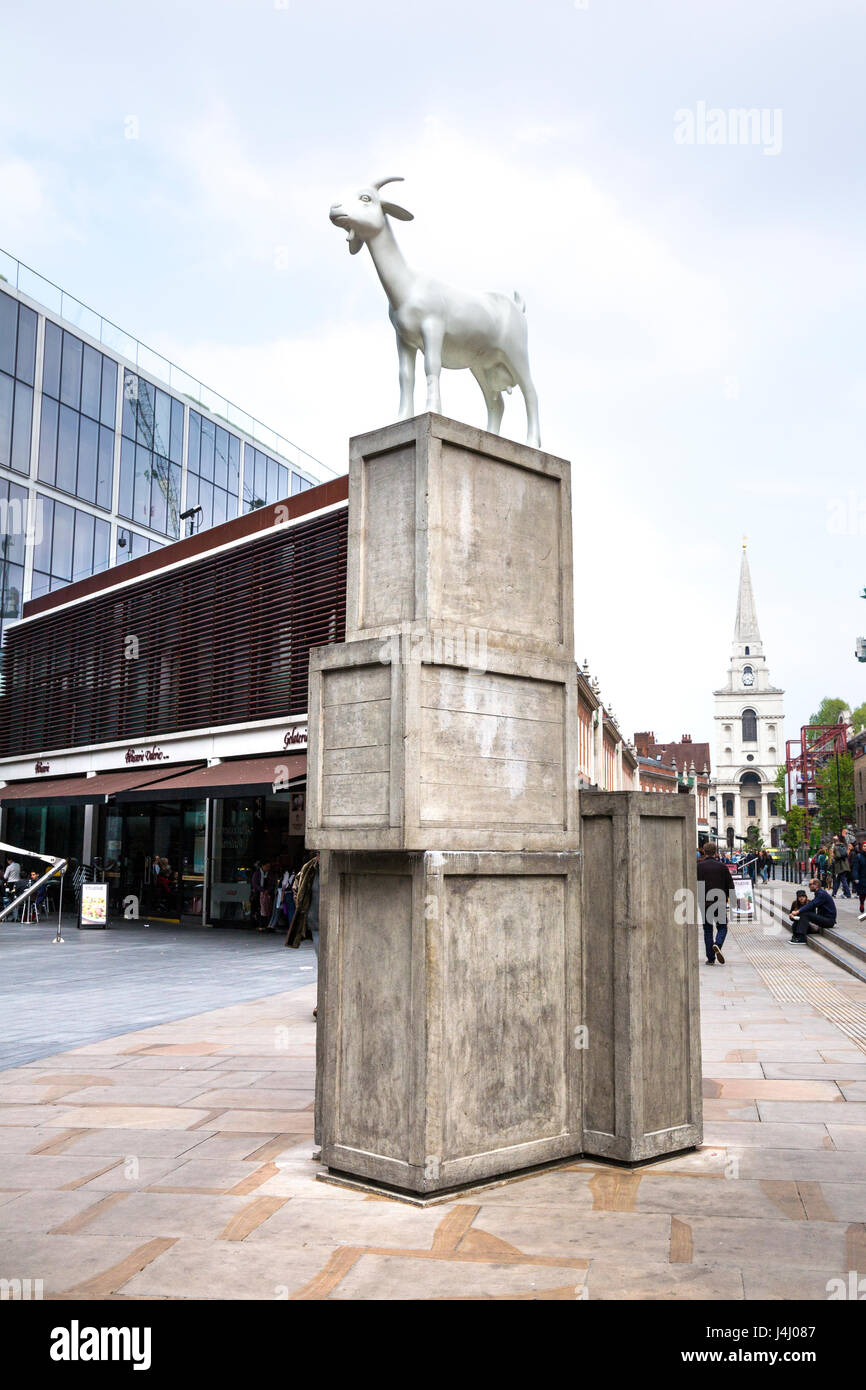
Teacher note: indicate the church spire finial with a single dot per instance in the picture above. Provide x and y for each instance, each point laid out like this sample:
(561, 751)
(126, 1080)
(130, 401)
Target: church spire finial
(746, 627)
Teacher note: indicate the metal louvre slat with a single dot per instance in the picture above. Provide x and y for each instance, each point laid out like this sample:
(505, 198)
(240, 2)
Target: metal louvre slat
(225, 639)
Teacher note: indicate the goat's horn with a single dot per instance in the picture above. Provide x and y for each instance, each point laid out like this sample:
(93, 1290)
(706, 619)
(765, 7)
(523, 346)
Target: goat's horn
(392, 178)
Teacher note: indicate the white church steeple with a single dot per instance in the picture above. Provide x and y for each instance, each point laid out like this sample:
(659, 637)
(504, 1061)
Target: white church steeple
(749, 731)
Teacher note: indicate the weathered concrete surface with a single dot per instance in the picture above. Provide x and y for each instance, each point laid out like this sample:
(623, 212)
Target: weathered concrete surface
(640, 966)
(452, 997)
(451, 527)
(436, 755)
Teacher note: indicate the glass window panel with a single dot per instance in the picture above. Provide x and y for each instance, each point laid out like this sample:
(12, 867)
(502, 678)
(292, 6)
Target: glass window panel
(144, 414)
(283, 484)
(173, 527)
(67, 449)
(141, 499)
(158, 493)
(61, 549)
(127, 477)
(207, 442)
(175, 451)
(8, 332)
(7, 391)
(108, 406)
(231, 505)
(82, 553)
(21, 428)
(101, 540)
(45, 523)
(130, 398)
(39, 584)
(51, 360)
(13, 590)
(273, 484)
(88, 448)
(234, 464)
(26, 363)
(297, 484)
(91, 381)
(70, 371)
(123, 545)
(219, 506)
(221, 457)
(48, 440)
(20, 521)
(105, 468)
(193, 446)
(191, 490)
(205, 498)
(57, 582)
(162, 423)
(261, 479)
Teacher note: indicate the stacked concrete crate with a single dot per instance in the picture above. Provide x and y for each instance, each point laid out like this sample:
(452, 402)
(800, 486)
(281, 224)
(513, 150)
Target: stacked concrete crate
(442, 792)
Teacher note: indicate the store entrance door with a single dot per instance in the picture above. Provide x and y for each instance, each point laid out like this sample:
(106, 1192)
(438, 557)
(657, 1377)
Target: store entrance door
(154, 861)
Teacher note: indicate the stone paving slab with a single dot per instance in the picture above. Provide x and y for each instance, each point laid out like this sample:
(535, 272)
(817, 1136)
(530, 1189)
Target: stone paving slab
(175, 1161)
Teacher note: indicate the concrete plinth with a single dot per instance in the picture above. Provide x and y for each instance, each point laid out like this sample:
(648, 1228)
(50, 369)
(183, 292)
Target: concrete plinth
(428, 753)
(463, 1006)
(452, 992)
(455, 529)
(642, 1092)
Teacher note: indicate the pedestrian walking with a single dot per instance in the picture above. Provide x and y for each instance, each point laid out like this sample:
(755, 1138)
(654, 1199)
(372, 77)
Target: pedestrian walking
(841, 866)
(857, 861)
(821, 863)
(715, 886)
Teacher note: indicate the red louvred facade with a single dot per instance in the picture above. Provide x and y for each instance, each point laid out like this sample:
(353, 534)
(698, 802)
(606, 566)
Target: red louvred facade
(223, 639)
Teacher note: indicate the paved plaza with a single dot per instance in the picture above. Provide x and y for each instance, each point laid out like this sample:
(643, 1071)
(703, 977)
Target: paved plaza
(174, 1161)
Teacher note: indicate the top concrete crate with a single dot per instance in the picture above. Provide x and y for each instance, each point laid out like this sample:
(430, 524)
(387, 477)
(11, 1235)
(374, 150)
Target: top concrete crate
(453, 528)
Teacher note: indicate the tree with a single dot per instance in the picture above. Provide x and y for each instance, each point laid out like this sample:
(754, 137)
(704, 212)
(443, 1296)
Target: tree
(836, 794)
(781, 781)
(754, 838)
(828, 711)
(795, 827)
(859, 717)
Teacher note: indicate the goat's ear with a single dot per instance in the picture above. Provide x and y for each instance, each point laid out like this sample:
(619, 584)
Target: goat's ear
(394, 210)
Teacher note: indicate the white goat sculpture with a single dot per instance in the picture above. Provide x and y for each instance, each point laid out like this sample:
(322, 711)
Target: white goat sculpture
(453, 328)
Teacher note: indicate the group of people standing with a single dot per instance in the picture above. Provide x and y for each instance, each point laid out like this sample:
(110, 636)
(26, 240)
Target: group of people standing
(842, 864)
(286, 899)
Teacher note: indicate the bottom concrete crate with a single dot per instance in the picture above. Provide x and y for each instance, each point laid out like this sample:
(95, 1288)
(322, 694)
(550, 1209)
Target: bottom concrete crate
(642, 1073)
(450, 1004)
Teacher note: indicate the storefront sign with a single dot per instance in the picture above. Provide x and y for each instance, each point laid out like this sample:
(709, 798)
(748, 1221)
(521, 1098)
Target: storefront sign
(295, 736)
(146, 755)
(94, 905)
(43, 767)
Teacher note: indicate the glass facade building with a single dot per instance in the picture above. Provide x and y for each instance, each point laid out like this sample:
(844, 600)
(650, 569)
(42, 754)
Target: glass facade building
(99, 456)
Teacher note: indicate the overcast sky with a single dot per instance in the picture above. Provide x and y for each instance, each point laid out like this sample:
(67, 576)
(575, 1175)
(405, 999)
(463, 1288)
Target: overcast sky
(696, 309)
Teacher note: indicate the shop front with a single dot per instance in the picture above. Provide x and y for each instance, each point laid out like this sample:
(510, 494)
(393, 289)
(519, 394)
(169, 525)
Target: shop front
(178, 846)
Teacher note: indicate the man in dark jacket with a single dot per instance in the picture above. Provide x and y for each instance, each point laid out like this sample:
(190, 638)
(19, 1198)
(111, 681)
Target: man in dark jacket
(840, 866)
(819, 912)
(714, 887)
(857, 860)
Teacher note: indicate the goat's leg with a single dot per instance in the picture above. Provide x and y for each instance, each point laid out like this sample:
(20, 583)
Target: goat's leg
(524, 381)
(433, 332)
(406, 355)
(493, 398)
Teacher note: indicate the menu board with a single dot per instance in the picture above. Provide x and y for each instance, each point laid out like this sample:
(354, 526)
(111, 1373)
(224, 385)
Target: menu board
(94, 905)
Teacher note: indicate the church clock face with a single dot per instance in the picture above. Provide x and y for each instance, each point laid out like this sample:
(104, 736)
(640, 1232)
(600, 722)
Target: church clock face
(748, 676)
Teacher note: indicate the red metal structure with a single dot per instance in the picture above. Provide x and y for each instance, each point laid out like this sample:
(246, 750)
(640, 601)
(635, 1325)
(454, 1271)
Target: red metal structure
(804, 769)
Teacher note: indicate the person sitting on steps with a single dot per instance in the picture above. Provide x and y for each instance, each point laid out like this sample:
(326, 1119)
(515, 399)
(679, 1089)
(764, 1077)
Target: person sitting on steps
(818, 913)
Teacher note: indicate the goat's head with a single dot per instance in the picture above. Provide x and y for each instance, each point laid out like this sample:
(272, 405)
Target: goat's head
(362, 215)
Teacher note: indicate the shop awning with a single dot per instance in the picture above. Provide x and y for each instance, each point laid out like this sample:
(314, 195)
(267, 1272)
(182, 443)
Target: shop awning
(78, 791)
(236, 777)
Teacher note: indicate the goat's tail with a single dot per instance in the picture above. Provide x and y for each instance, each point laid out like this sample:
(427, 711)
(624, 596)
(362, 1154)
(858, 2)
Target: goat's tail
(519, 301)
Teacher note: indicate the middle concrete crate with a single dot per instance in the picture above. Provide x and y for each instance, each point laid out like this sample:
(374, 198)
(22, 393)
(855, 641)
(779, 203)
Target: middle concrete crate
(435, 754)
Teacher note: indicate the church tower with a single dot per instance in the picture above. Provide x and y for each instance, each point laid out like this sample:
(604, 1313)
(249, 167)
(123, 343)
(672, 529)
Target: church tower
(749, 723)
